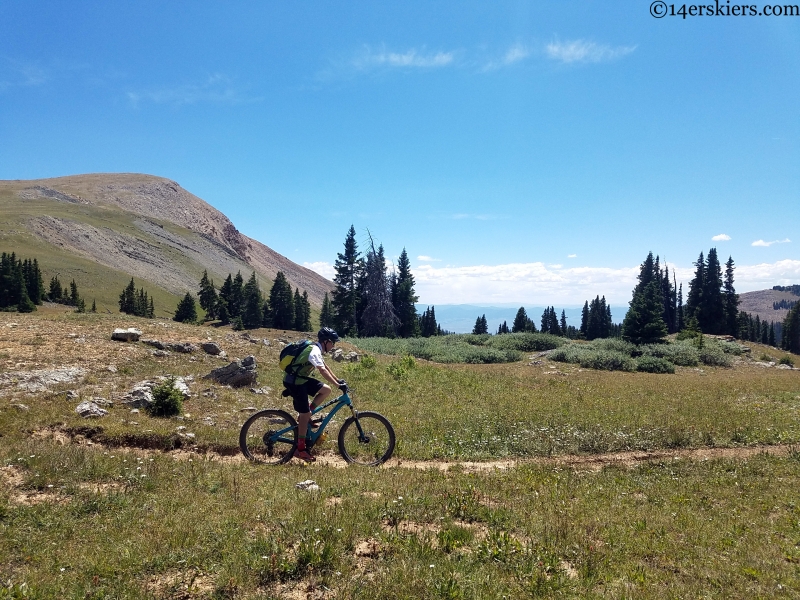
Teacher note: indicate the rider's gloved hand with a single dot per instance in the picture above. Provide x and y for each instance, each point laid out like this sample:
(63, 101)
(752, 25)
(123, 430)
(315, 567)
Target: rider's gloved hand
(343, 386)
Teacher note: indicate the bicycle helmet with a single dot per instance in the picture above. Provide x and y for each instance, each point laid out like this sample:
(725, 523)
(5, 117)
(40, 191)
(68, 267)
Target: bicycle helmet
(326, 333)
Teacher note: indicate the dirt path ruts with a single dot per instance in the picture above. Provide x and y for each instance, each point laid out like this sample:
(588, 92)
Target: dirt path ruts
(591, 462)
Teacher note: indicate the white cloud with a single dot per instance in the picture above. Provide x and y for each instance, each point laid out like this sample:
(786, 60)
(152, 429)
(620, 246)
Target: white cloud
(722, 237)
(424, 258)
(412, 58)
(572, 256)
(514, 54)
(216, 88)
(325, 269)
(764, 244)
(585, 52)
(537, 283)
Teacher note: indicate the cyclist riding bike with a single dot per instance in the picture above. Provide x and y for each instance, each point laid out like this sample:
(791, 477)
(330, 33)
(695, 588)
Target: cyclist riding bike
(301, 385)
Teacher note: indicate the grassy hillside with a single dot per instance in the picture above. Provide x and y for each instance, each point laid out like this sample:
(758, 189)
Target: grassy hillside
(177, 269)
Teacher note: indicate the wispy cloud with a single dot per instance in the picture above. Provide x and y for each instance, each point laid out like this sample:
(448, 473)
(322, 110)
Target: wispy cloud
(19, 73)
(216, 88)
(722, 237)
(582, 51)
(764, 244)
(325, 269)
(514, 54)
(572, 256)
(424, 258)
(412, 58)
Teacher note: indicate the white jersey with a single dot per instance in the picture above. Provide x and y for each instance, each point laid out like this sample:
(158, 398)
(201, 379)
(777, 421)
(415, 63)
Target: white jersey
(315, 356)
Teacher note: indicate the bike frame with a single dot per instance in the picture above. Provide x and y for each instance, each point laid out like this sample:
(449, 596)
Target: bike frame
(311, 436)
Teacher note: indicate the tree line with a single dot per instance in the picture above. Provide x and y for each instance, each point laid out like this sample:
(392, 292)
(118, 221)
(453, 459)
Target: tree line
(369, 301)
(784, 304)
(22, 287)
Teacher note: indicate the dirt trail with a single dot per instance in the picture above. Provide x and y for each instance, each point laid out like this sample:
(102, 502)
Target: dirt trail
(591, 462)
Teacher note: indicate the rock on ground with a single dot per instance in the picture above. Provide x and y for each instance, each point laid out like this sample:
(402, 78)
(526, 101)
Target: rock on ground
(239, 373)
(90, 409)
(126, 335)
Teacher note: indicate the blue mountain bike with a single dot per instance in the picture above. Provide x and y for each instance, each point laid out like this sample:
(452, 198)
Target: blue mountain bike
(270, 436)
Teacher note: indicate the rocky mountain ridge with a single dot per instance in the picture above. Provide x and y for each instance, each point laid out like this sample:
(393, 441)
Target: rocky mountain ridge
(122, 221)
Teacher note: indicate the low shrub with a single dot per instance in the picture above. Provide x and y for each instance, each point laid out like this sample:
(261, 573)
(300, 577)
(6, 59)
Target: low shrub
(654, 364)
(607, 360)
(786, 360)
(568, 354)
(728, 347)
(683, 354)
(167, 401)
(714, 356)
(368, 362)
(525, 342)
(615, 345)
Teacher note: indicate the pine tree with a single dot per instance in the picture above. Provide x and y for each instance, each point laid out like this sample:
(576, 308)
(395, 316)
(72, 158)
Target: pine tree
(74, 297)
(731, 300)
(225, 295)
(404, 299)
(281, 303)
(305, 325)
(712, 307)
(326, 314)
(790, 334)
(585, 320)
(299, 311)
(644, 323)
(680, 323)
(127, 299)
(56, 291)
(346, 296)
(378, 317)
(563, 323)
(151, 309)
(236, 302)
(481, 326)
(771, 340)
(208, 297)
(428, 326)
(696, 285)
(186, 312)
(252, 300)
(94, 306)
(520, 321)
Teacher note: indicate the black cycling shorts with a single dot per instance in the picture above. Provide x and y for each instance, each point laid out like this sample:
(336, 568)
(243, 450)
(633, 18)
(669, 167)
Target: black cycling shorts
(300, 394)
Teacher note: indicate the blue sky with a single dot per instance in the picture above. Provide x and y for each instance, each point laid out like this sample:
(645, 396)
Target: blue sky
(529, 152)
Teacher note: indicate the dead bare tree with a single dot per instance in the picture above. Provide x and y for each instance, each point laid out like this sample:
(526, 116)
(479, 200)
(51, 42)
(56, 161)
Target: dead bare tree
(378, 318)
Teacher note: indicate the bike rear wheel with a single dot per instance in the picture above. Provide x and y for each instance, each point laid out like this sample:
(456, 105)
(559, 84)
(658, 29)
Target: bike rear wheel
(367, 439)
(259, 439)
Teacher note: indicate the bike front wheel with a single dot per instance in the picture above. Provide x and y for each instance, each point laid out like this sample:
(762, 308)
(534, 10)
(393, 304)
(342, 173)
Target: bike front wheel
(367, 439)
(269, 437)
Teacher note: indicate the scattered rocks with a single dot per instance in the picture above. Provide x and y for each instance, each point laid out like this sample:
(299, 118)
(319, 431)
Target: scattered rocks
(337, 354)
(111, 369)
(72, 395)
(248, 409)
(262, 390)
(126, 335)
(211, 348)
(352, 357)
(88, 410)
(39, 380)
(161, 353)
(785, 367)
(20, 406)
(239, 373)
(102, 402)
(266, 342)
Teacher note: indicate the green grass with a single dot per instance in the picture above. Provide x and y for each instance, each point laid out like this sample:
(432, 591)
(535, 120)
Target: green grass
(670, 529)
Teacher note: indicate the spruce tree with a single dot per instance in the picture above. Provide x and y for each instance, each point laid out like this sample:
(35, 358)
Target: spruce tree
(520, 321)
(208, 297)
(225, 294)
(281, 303)
(236, 302)
(644, 323)
(297, 300)
(696, 285)
(252, 311)
(711, 316)
(378, 317)
(404, 298)
(326, 314)
(186, 311)
(731, 300)
(346, 298)
(56, 292)
(94, 306)
(127, 299)
(790, 332)
(481, 326)
(428, 326)
(585, 320)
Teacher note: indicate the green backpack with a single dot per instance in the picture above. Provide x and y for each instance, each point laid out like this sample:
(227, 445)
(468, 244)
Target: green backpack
(289, 359)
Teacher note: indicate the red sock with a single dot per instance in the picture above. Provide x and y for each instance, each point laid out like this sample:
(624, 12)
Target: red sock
(301, 444)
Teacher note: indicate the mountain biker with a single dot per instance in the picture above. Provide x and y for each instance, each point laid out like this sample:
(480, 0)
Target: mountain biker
(301, 385)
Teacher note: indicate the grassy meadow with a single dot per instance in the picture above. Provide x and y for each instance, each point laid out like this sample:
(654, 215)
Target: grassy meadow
(129, 506)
